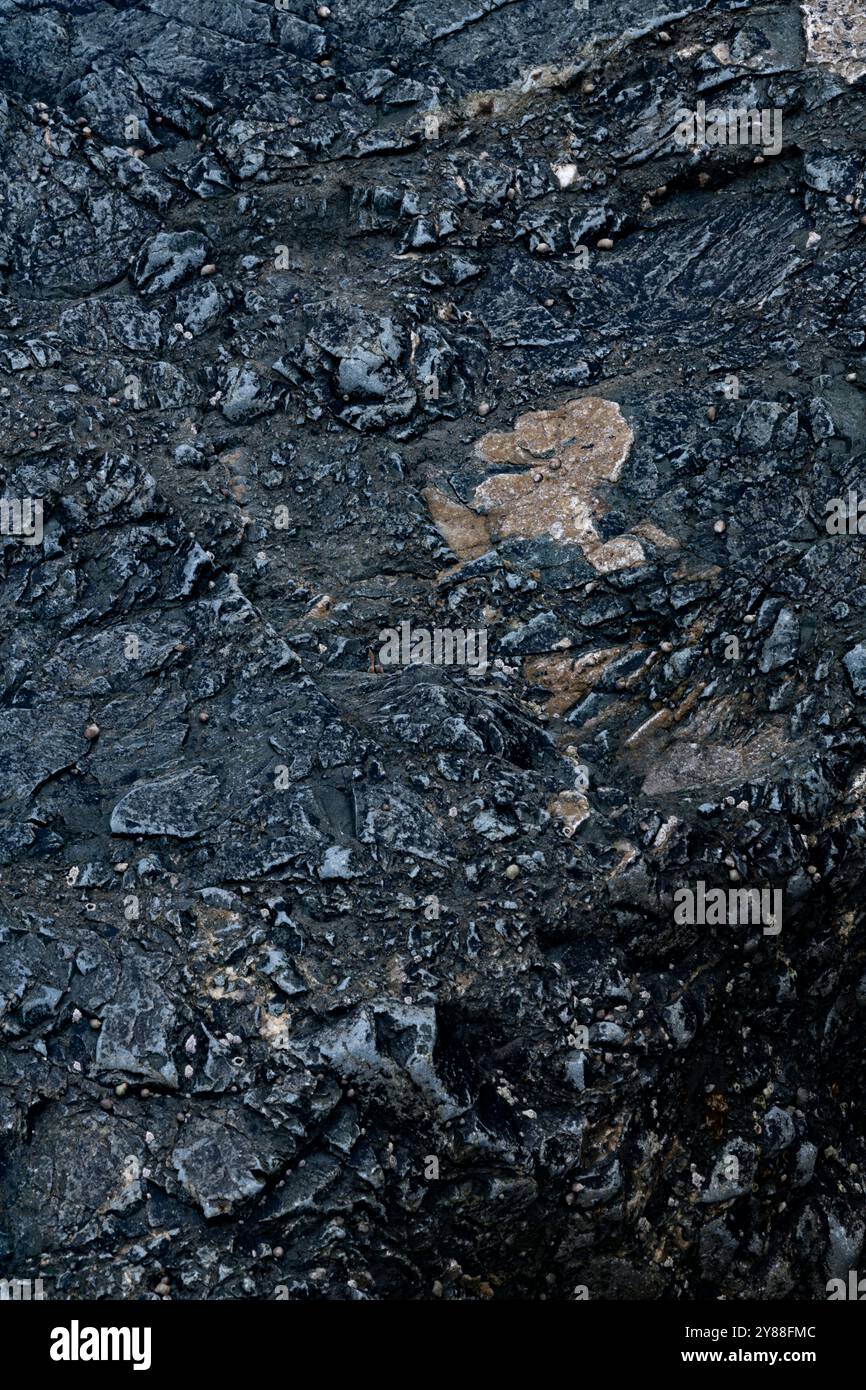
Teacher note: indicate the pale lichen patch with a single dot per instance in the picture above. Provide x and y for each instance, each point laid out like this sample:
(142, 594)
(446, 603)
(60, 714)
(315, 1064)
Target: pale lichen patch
(274, 1030)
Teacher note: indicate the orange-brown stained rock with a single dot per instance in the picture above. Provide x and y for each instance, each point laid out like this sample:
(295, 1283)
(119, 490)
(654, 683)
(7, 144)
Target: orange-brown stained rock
(836, 35)
(590, 441)
(570, 455)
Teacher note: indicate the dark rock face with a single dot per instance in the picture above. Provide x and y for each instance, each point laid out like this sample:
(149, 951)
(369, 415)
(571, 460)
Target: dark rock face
(347, 965)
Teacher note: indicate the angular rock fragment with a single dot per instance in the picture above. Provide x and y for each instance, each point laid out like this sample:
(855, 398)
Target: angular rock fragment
(176, 806)
(219, 1167)
(168, 258)
(135, 1036)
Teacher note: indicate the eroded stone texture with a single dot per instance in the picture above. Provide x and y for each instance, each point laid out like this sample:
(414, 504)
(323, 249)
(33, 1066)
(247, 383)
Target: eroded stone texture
(715, 747)
(294, 307)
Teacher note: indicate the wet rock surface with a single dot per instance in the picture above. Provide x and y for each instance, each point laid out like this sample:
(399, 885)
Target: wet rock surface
(361, 980)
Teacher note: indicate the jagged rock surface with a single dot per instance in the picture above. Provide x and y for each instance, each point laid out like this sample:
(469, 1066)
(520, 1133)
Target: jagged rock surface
(292, 312)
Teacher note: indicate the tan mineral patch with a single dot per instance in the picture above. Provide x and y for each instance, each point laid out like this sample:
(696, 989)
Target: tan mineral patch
(321, 608)
(274, 1030)
(628, 852)
(467, 533)
(836, 35)
(650, 727)
(569, 678)
(590, 441)
(690, 573)
(571, 455)
(664, 834)
(688, 702)
(572, 808)
(648, 531)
